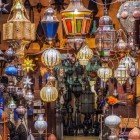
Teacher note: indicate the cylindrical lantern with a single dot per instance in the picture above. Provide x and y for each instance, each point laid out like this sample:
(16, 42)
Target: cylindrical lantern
(84, 55)
(40, 125)
(50, 24)
(121, 74)
(51, 58)
(104, 72)
(105, 37)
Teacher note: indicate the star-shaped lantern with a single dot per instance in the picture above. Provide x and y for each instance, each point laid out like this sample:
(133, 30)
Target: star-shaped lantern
(3, 7)
(28, 65)
(27, 82)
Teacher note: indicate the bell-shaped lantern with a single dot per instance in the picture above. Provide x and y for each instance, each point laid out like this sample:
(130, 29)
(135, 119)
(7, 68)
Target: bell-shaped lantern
(50, 24)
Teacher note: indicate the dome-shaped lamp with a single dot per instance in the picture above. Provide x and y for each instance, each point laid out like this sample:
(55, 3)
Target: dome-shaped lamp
(51, 58)
(121, 74)
(84, 55)
(50, 24)
(112, 121)
(40, 125)
(104, 72)
(134, 134)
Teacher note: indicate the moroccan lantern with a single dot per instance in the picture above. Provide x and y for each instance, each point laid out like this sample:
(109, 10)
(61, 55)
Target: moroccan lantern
(128, 61)
(18, 29)
(3, 61)
(51, 58)
(104, 72)
(76, 19)
(2, 87)
(11, 87)
(10, 54)
(40, 125)
(113, 121)
(84, 55)
(105, 37)
(20, 72)
(121, 74)
(12, 105)
(11, 70)
(21, 111)
(127, 14)
(49, 93)
(29, 97)
(134, 134)
(50, 24)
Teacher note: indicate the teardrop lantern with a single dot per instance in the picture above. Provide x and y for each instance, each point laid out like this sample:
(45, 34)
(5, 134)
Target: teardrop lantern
(40, 125)
(50, 24)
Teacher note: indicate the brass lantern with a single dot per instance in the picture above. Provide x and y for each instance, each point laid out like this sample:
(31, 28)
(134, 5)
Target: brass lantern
(84, 55)
(18, 30)
(105, 37)
(121, 74)
(51, 58)
(104, 72)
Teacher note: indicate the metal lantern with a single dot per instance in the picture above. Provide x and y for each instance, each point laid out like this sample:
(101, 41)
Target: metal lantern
(20, 72)
(128, 13)
(19, 92)
(49, 93)
(10, 54)
(50, 24)
(121, 74)
(84, 55)
(105, 37)
(76, 19)
(12, 105)
(2, 87)
(11, 70)
(2, 61)
(112, 121)
(128, 61)
(51, 58)
(40, 125)
(29, 97)
(11, 87)
(18, 28)
(21, 111)
(104, 72)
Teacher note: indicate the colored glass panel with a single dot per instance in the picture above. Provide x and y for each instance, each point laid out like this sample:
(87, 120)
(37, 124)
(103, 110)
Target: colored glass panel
(69, 25)
(87, 26)
(79, 25)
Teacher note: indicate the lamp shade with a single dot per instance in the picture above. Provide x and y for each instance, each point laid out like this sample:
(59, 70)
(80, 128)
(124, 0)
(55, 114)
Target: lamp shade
(84, 55)
(76, 19)
(51, 58)
(50, 24)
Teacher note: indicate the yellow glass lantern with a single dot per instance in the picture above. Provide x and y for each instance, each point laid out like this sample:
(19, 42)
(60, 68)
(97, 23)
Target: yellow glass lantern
(121, 74)
(51, 58)
(84, 55)
(49, 93)
(18, 30)
(104, 72)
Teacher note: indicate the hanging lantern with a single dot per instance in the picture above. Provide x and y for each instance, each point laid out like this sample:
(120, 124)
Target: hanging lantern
(2, 61)
(12, 105)
(129, 11)
(40, 125)
(121, 74)
(20, 72)
(104, 72)
(11, 70)
(134, 134)
(11, 87)
(50, 24)
(76, 19)
(19, 92)
(2, 87)
(128, 61)
(21, 111)
(18, 28)
(49, 93)
(105, 37)
(51, 58)
(84, 55)
(10, 54)
(29, 97)
(113, 121)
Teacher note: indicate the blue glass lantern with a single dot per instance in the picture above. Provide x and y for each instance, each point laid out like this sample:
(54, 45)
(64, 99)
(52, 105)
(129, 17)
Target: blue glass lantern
(50, 24)
(11, 70)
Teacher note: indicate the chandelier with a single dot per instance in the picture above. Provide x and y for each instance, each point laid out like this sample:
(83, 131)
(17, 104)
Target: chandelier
(18, 30)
